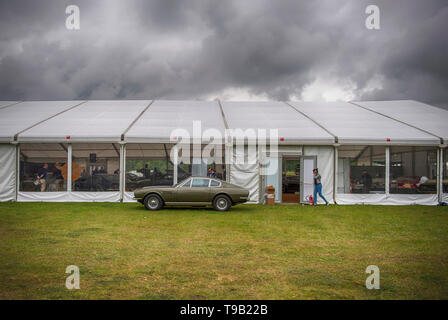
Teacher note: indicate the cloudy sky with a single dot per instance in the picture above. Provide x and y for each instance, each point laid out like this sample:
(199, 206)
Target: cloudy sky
(227, 49)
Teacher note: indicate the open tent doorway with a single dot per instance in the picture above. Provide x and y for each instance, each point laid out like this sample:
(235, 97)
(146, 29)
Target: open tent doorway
(290, 179)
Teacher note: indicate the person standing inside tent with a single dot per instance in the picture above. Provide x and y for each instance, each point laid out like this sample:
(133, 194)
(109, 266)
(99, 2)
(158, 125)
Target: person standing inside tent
(366, 180)
(42, 177)
(59, 177)
(318, 187)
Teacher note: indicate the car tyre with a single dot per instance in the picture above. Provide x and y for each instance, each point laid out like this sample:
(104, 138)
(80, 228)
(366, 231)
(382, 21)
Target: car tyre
(153, 202)
(222, 203)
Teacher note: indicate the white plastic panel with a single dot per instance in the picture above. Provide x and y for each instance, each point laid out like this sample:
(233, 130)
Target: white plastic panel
(128, 197)
(420, 115)
(162, 117)
(355, 125)
(291, 125)
(325, 165)
(96, 121)
(307, 164)
(383, 199)
(245, 173)
(25, 114)
(7, 172)
(69, 196)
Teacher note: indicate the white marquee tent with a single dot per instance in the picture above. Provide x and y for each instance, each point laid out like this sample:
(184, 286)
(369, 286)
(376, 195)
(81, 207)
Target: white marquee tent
(370, 152)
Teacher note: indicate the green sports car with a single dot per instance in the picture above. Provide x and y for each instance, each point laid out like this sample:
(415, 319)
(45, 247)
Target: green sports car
(193, 191)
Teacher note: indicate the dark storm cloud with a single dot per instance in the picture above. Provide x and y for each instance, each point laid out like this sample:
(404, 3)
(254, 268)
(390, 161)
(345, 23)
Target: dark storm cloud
(201, 49)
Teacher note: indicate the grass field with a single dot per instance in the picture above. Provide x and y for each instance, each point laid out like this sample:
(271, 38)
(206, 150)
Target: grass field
(251, 252)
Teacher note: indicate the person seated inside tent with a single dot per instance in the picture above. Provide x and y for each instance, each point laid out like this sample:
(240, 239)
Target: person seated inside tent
(421, 182)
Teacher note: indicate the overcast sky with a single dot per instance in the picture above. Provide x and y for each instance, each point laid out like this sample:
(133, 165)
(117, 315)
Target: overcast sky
(234, 50)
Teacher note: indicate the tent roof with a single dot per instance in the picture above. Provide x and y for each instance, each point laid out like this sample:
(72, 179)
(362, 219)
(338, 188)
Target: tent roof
(21, 116)
(144, 121)
(102, 121)
(4, 104)
(162, 117)
(292, 126)
(420, 115)
(355, 125)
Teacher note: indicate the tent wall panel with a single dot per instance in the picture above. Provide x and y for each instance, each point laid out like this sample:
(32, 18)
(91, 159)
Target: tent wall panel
(246, 174)
(325, 164)
(383, 199)
(69, 196)
(43, 196)
(128, 197)
(7, 172)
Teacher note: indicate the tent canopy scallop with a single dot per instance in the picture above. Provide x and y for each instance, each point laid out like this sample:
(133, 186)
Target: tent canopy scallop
(21, 116)
(292, 126)
(95, 121)
(355, 125)
(420, 115)
(4, 104)
(163, 117)
(144, 121)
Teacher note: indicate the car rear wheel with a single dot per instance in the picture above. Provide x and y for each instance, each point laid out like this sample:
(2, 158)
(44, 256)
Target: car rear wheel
(153, 202)
(222, 203)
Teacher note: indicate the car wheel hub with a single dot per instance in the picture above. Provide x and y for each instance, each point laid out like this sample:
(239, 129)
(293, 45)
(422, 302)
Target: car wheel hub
(222, 203)
(153, 203)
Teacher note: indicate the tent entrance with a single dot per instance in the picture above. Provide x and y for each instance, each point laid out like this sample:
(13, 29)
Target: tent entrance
(290, 179)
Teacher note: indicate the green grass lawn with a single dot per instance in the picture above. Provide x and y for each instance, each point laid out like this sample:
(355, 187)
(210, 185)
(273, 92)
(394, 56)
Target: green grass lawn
(251, 252)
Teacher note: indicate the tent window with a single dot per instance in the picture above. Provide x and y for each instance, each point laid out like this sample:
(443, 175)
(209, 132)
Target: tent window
(445, 171)
(43, 167)
(413, 170)
(361, 169)
(95, 167)
(148, 165)
(211, 163)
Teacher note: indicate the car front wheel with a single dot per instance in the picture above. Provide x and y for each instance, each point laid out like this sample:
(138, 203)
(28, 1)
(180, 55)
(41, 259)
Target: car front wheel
(153, 202)
(222, 203)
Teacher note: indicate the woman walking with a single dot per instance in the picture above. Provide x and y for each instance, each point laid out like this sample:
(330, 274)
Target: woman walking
(318, 187)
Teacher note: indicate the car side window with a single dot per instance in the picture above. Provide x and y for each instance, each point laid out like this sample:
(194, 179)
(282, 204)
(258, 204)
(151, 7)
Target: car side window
(214, 183)
(187, 184)
(197, 182)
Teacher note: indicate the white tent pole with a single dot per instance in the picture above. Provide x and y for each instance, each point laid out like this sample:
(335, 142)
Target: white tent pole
(442, 170)
(228, 155)
(260, 160)
(69, 168)
(176, 159)
(439, 173)
(335, 172)
(122, 170)
(387, 189)
(17, 171)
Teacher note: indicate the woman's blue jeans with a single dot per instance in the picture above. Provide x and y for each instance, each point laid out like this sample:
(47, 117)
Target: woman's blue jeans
(318, 189)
